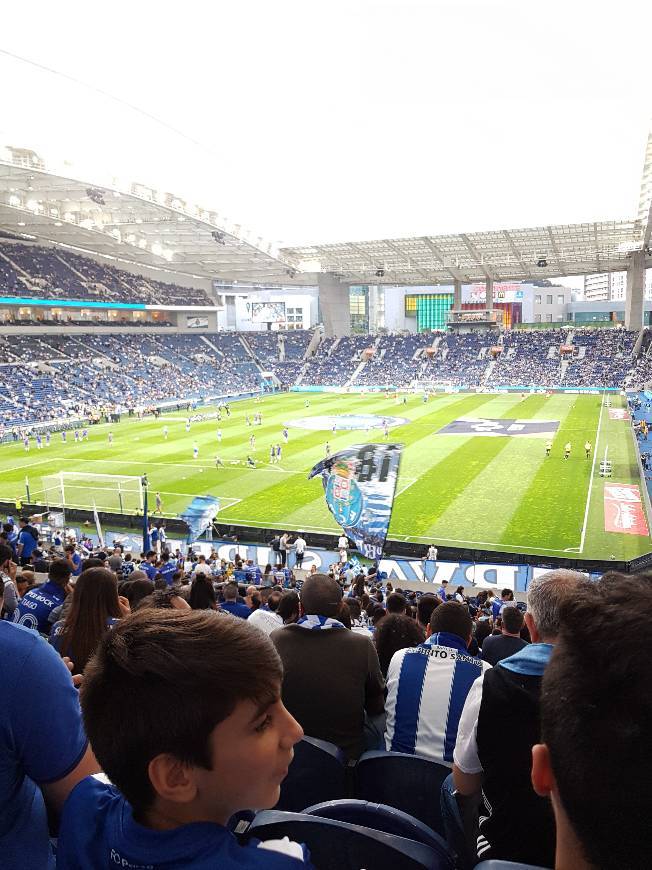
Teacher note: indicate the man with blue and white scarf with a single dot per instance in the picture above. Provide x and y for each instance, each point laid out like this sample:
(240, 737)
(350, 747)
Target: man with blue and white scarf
(332, 678)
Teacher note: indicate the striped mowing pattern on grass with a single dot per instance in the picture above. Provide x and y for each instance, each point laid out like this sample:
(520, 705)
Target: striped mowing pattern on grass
(494, 492)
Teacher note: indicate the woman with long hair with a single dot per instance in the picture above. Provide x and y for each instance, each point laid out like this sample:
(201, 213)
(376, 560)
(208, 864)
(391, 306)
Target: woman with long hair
(95, 607)
(393, 633)
(202, 594)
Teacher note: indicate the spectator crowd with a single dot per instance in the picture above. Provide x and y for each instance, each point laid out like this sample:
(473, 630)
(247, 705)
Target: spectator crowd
(187, 680)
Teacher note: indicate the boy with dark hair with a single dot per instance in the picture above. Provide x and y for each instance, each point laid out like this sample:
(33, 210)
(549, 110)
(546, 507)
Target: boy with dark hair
(34, 609)
(183, 711)
(595, 687)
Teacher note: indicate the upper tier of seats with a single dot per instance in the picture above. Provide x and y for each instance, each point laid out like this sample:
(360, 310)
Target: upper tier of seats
(57, 274)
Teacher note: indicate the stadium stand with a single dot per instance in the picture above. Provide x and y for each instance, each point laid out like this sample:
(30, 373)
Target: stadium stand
(76, 372)
(36, 272)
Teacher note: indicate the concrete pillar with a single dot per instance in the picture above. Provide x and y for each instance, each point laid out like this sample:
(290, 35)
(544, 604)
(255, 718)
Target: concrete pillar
(635, 294)
(489, 288)
(457, 295)
(335, 306)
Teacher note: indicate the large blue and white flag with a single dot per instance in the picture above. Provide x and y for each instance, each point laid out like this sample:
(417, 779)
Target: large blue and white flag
(359, 485)
(199, 515)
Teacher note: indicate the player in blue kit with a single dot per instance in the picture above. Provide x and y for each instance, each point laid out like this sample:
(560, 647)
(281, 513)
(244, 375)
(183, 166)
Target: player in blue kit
(63, 436)
(211, 737)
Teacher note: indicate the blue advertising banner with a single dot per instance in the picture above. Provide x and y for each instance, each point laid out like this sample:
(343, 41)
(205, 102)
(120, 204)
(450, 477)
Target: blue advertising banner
(359, 486)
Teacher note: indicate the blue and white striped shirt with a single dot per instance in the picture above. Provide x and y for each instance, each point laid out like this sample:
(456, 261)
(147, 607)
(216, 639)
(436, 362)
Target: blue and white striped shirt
(427, 686)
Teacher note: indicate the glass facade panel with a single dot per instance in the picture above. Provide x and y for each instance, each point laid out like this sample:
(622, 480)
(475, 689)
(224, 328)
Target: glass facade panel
(432, 310)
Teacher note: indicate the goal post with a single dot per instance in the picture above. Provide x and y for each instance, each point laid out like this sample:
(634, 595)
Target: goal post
(117, 493)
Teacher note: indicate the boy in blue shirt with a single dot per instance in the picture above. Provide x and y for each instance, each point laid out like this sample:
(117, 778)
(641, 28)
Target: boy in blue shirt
(190, 727)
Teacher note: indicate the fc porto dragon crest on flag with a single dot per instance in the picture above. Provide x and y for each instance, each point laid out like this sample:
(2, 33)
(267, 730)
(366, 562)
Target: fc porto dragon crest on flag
(359, 485)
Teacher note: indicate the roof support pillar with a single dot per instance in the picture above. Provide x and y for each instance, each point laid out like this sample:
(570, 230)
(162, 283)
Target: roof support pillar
(635, 291)
(489, 289)
(335, 306)
(457, 295)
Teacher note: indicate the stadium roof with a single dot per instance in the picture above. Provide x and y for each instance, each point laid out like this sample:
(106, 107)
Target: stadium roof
(502, 255)
(128, 221)
(140, 225)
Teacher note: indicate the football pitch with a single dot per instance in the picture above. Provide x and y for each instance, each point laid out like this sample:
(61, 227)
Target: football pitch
(464, 487)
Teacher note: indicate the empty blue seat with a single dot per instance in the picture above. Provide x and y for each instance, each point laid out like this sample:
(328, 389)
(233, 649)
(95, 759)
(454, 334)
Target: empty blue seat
(339, 846)
(317, 773)
(381, 817)
(404, 781)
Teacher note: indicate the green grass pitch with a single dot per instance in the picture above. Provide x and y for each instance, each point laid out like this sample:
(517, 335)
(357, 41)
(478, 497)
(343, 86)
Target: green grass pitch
(487, 492)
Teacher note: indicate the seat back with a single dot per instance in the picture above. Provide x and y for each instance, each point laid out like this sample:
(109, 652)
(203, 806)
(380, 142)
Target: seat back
(317, 773)
(336, 845)
(380, 817)
(505, 865)
(403, 781)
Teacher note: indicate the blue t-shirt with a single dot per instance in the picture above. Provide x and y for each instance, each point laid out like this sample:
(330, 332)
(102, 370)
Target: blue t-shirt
(167, 571)
(236, 608)
(29, 542)
(98, 830)
(41, 741)
(149, 569)
(35, 606)
(76, 560)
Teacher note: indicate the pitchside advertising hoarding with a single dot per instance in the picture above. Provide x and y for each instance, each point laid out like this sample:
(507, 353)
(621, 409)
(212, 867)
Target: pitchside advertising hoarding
(429, 573)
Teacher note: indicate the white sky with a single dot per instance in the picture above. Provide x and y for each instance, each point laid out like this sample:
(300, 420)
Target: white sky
(323, 121)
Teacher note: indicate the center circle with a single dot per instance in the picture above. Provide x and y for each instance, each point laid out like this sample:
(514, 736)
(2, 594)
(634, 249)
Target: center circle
(346, 422)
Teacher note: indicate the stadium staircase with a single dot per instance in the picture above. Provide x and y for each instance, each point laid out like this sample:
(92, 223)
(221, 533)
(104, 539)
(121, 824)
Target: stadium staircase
(304, 369)
(487, 373)
(16, 267)
(213, 347)
(314, 343)
(564, 368)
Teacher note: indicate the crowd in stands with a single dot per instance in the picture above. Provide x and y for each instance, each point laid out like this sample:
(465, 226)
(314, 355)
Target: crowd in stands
(32, 271)
(75, 372)
(197, 676)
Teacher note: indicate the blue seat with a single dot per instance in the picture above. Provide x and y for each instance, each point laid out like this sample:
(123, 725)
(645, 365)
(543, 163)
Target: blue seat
(506, 865)
(317, 773)
(403, 781)
(339, 846)
(380, 817)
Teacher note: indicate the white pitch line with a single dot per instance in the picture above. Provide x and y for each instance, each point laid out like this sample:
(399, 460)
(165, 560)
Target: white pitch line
(407, 486)
(595, 456)
(510, 548)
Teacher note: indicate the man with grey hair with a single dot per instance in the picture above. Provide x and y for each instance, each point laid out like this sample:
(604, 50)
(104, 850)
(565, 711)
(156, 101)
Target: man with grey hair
(497, 730)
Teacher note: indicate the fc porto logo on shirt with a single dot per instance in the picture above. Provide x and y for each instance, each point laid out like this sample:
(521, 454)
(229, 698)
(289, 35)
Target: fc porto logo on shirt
(343, 494)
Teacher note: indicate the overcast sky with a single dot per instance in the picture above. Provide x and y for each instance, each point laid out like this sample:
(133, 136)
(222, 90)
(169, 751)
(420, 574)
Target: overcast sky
(323, 121)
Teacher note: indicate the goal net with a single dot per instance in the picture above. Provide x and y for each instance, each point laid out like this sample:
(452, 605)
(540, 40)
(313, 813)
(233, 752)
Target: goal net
(108, 492)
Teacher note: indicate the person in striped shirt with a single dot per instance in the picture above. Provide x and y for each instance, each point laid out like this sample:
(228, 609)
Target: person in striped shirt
(427, 686)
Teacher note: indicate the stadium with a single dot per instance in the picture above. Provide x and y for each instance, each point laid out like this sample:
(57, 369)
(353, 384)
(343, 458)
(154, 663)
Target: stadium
(328, 545)
(86, 263)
